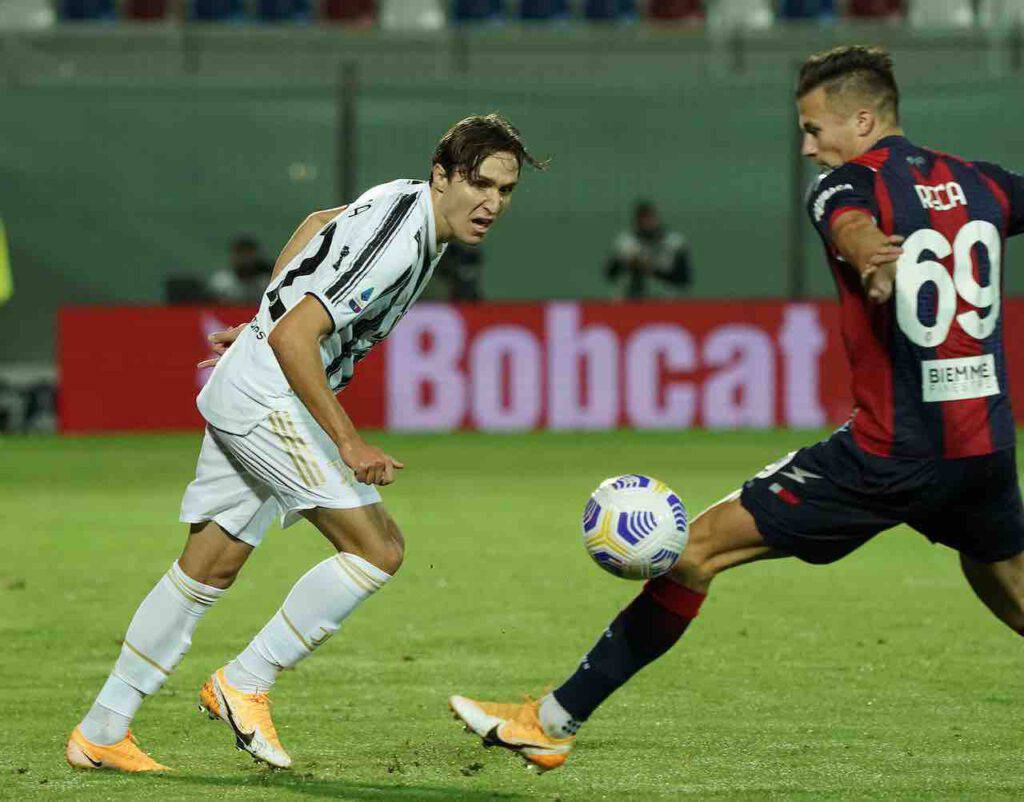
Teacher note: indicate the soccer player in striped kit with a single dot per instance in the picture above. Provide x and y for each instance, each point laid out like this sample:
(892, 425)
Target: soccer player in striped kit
(915, 240)
(279, 445)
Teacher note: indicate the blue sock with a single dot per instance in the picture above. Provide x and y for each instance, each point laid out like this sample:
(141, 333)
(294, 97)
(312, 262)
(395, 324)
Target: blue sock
(640, 634)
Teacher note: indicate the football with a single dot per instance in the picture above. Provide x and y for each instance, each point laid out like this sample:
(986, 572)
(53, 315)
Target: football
(634, 526)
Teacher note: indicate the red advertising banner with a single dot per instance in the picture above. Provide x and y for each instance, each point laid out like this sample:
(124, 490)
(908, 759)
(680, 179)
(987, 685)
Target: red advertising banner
(504, 367)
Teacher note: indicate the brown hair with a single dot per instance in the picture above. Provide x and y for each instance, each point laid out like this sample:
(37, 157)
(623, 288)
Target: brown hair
(473, 139)
(866, 71)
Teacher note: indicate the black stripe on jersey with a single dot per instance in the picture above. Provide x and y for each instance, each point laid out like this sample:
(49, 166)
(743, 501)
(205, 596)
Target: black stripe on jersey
(424, 270)
(385, 233)
(357, 262)
(306, 267)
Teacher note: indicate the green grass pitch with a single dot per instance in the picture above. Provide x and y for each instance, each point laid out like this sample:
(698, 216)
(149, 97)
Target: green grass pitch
(879, 677)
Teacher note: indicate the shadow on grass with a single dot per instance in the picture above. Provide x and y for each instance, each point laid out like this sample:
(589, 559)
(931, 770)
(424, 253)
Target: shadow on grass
(307, 784)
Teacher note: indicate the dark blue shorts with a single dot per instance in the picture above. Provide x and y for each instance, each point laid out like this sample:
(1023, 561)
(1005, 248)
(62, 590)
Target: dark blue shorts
(822, 502)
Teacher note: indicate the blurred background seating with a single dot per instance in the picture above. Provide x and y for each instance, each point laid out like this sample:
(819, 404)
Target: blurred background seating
(284, 10)
(86, 9)
(26, 15)
(807, 9)
(610, 10)
(350, 12)
(675, 10)
(543, 10)
(937, 14)
(217, 10)
(477, 10)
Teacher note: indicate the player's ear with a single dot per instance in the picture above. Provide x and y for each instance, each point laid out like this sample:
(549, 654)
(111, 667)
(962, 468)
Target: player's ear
(438, 178)
(866, 122)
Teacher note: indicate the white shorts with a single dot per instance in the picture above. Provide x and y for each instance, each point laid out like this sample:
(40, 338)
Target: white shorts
(284, 465)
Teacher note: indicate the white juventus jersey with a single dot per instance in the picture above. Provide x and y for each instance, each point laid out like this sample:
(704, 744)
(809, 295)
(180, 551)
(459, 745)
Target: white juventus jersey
(366, 267)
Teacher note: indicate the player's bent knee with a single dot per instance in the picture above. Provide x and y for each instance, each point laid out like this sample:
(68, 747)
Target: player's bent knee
(392, 550)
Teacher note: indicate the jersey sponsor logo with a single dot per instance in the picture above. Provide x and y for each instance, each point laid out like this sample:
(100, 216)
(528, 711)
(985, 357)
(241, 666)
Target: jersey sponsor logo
(825, 197)
(353, 304)
(959, 378)
(366, 294)
(360, 209)
(942, 197)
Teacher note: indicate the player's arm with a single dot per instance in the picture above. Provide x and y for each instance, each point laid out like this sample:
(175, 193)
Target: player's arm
(868, 249)
(295, 341)
(220, 341)
(307, 229)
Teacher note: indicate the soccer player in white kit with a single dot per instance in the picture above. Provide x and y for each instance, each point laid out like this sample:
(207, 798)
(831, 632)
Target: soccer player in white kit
(278, 444)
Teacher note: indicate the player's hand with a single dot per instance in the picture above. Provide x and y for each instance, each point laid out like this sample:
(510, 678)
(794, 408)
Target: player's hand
(880, 276)
(370, 465)
(220, 341)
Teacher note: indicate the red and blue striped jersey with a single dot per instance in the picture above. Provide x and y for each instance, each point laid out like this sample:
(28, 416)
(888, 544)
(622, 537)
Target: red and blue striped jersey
(929, 373)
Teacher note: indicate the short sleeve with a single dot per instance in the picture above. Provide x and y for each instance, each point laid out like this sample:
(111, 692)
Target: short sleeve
(1011, 187)
(847, 188)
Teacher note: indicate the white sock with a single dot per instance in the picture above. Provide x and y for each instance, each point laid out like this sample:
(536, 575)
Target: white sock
(314, 609)
(158, 637)
(555, 719)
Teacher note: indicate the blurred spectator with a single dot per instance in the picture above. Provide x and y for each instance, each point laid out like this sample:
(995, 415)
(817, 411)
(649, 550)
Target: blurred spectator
(461, 268)
(476, 10)
(146, 9)
(543, 9)
(875, 8)
(727, 16)
(648, 251)
(941, 13)
(284, 10)
(807, 9)
(351, 12)
(610, 9)
(246, 280)
(412, 15)
(214, 10)
(86, 9)
(675, 10)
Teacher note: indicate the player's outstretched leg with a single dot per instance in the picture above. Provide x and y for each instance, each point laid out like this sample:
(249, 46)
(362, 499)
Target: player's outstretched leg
(370, 551)
(543, 731)
(159, 635)
(1000, 585)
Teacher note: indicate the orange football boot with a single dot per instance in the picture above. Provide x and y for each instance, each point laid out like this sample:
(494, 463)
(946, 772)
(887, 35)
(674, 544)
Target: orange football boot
(515, 727)
(248, 715)
(125, 755)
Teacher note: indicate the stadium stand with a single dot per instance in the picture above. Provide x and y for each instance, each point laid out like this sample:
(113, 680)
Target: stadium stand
(217, 10)
(727, 16)
(543, 10)
(807, 9)
(941, 14)
(86, 9)
(146, 9)
(675, 10)
(351, 12)
(867, 9)
(26, 15)
(602, 10)
(284, 10)
(412, 15)
(477, 10)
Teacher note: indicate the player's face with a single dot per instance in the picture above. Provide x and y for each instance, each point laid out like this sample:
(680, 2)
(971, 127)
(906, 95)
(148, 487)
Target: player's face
(469, 206)
(830, 136)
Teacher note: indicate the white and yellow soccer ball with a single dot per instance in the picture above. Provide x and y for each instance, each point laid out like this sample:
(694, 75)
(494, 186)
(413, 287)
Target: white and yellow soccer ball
(634, 526)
